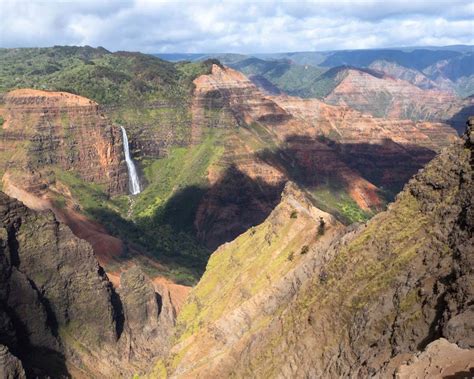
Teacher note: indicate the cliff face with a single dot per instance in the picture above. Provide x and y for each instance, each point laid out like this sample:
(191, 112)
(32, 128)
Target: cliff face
(387, 152)
(44, 130)
(60, 314)
(269, 140)
(412, 76)
(387, 96)
(362, 303)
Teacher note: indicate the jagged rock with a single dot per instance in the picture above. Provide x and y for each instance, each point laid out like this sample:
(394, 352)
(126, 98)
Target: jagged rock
(148, 323)
(54, 288)
(10, 366)
(440, 359)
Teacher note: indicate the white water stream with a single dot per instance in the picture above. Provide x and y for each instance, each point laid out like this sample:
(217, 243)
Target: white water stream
(133, 181)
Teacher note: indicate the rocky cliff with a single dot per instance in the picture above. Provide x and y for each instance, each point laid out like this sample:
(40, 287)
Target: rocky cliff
(270, 140)
(387, 152)
(47, 130)
(298, 297)
(60, 314)
(382, 95)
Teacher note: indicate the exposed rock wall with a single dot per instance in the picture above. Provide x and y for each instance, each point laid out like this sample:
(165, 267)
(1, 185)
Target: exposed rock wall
(56, 129)
(60, 315)
(388, 96)
(386, 152)
(10, 366)
(274, 139)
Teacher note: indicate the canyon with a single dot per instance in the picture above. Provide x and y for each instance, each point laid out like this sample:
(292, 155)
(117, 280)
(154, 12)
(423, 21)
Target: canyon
(112, 206)
(400, 283)
(350, 162)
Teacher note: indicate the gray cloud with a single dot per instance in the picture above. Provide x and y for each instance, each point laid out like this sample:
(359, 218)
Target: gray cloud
(236, 26)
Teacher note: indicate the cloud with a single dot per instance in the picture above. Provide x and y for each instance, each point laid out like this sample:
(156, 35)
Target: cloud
(236, 26)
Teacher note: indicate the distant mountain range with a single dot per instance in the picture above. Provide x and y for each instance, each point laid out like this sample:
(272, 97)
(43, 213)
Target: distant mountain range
(302, 73)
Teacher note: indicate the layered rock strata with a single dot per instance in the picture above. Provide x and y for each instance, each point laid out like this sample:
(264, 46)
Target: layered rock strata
(56, 129)
(269, 140)
(390, 96)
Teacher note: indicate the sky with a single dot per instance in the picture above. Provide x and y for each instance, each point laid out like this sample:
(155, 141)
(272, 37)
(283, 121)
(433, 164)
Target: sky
(236, 26)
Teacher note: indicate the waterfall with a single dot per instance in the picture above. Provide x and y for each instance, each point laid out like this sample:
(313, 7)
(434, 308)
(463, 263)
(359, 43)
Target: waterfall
(133, 182)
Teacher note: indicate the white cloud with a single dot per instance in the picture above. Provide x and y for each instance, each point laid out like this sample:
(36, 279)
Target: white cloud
(236, 26)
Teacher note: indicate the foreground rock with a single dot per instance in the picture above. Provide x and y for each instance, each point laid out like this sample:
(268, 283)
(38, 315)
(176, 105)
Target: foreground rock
(10, 366)
(441, 359)
(360, 304)
(59, 313)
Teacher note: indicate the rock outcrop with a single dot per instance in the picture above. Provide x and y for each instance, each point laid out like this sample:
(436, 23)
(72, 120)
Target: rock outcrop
(59, 313)
(363, 303)
(441, 359)
(10, 366)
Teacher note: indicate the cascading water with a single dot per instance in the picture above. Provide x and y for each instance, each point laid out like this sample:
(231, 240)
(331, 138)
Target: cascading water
(133, 182)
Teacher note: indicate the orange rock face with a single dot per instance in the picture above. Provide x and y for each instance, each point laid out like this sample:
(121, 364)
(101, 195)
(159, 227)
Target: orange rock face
(386, 96)
(273, 139)
(56, 129)
(49, 131)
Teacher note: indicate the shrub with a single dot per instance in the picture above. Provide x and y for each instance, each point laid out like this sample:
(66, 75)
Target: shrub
(304, 249)
(291, 256)
(321, 227)
(294, 214)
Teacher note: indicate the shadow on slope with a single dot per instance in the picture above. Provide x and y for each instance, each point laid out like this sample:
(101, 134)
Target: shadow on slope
(321, 166)
(195, 220)
(458, 121)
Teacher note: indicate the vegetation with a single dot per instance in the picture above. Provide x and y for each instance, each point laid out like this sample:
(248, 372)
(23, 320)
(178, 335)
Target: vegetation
(298, 80)
(321, 227)
(333, 199)
(184, 258)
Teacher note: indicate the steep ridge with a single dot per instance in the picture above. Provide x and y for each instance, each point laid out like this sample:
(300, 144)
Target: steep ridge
(410, 75)
(374, 147)
(60, 314)
(385, 96)
(356, 304)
